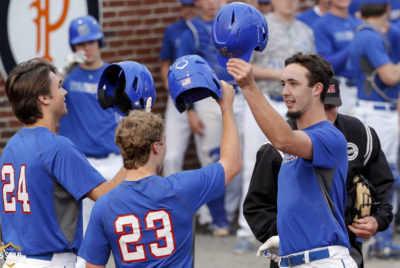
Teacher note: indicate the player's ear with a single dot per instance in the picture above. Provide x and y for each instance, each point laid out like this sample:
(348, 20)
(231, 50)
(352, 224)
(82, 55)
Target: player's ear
(317, 90)
(155, 147)
(44, 99)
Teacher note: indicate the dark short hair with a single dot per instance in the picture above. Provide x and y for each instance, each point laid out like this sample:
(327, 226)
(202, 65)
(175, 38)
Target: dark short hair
(135, 134)
(319, 70)
(25, 83)
(373, 10)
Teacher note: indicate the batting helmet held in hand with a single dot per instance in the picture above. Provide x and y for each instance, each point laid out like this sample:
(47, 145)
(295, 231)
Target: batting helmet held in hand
(125, 86)
(237, 30)
(84, 29)
(191, 79)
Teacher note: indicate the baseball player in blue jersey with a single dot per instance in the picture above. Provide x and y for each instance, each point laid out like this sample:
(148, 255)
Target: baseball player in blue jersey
(312, 179)
(147, 220)
(374, 60)
(311, 15)
(177, 125)
(87, 125)
(205, 118)
(333, 33)
(44, 177)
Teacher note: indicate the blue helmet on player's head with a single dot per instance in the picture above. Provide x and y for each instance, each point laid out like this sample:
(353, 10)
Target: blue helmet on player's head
(187, 2)
(374, 2)
(84, 29)
(191, 79)
(125, 86)
(237, 30)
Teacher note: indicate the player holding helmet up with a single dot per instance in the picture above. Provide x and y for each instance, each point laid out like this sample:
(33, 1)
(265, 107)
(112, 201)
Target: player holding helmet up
(312, 178)
(147, 220)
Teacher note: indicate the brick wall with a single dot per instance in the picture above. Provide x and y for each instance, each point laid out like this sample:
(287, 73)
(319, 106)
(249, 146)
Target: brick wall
(133, 31)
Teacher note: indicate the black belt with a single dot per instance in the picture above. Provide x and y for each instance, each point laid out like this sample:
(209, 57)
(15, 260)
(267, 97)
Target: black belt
(43, 257)
(300, 258)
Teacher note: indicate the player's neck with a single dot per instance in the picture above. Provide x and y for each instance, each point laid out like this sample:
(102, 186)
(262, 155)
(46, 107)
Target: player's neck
(44, 122)
(140, 173)
(92, 65)
(288, 19)
(380, 22)
(339, 12)
(311, 117)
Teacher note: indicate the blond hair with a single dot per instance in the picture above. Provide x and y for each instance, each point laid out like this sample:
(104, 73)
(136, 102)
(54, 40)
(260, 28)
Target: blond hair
(135, 135)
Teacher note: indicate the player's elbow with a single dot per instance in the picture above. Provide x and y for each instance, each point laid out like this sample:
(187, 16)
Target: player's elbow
(389, 74)
(232, 168)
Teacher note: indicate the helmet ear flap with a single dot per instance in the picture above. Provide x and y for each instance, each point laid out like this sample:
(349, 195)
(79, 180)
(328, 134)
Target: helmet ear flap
(105, 101)
(122, 101)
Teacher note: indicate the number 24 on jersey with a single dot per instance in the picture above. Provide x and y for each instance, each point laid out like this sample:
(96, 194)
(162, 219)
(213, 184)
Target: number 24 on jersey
(9, 201)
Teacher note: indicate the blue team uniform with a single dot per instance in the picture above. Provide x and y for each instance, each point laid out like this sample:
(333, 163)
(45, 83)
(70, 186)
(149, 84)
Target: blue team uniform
(361, 46)
(199, 42)
(304, 219)
(172, 40)
(158, 211)
(395, 11)
(42, 213)
(333, 35)
(87, 125)
(309, 16)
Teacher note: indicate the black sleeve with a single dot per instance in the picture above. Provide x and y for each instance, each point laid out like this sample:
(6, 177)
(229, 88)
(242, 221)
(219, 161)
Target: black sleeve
(260, 204)
(378, 172)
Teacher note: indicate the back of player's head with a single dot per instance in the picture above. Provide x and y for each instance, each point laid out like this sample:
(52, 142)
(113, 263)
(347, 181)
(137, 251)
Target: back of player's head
(25, 83)
(85, 29)
(135, 135)
(319, 70)
(373, 8)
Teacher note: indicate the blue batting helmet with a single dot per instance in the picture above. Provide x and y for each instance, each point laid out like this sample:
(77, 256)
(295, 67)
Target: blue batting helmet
(187, 2)
(237, 30)
(84, 29)
(125, 86)
(191, 79)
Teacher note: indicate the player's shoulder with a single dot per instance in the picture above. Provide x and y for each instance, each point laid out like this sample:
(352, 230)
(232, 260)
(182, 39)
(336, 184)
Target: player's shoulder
(178, 25)
(351, 126)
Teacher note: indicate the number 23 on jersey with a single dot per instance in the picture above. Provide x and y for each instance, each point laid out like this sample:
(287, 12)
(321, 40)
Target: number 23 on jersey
(129, 242)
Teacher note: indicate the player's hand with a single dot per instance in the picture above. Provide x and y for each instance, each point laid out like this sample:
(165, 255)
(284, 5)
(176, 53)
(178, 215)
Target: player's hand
(71, 61)
(242, 72)
(365, 227)
(270, 249)
(228, 95)
(196, 125)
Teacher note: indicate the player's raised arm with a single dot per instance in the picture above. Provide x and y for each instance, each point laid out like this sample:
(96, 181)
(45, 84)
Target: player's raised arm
(231, 155)
(270, 121)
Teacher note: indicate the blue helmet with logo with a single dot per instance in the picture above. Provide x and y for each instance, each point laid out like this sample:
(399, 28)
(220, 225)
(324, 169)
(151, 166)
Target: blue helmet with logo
(84, 29)
(125, 86)
(191, 79)
(237, 30)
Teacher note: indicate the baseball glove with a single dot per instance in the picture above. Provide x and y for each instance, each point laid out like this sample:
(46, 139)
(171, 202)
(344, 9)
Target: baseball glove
(363, 197)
